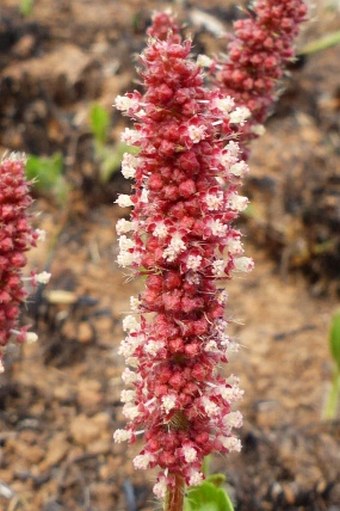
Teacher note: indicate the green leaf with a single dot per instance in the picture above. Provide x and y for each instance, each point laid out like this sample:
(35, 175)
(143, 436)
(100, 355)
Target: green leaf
(26, 7)
(111, 157)
(334, 339)
(47, 174)
(99, 123)
(321, 44)
(216, 479)
(207, 497)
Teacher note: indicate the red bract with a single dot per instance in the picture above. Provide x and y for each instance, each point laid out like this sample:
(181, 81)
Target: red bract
(16, 237)
(257, 56)
(185, 198)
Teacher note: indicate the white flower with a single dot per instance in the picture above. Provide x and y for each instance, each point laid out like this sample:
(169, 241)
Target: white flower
(258, 129)
(130, 324)
(121, 435)
(153, 347)
(196, 133)
(234, 246)
(224, 104)
(218, 268)
(237, 202)
(129, 165)
(195, 478)
(41, 234)
(124, 201)
(43, 277)
(125, 259)
(130, 411)
(193, 279)
(204, 61)
(214, 201)
(30, 337)
(142, 461)
(160, 230)
(231, 443)
(193, 262)
(125, 243)
(134, 303)
(175, 247)
(243, 263)
(128, 345)
(239, 169)
(124, 103)
(160, 488)
(211, 346)
(123, 226)
(209, 406)
(239, 115)
(144, 196)
(2, 369)
(130, 136)
(233, 420)
(222, 297)
(218, 228)
(233, 149)
(127, 395)
(168, 402)
(189, 453)
(230, 394)
(129, 376)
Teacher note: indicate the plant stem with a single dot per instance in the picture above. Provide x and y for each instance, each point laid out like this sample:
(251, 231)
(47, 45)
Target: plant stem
(175, 497)
(321, 44)
(333, 397)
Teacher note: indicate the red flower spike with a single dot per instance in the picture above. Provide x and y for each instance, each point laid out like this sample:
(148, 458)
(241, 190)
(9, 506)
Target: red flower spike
(16, 237)
(185, 196)
(257, 56)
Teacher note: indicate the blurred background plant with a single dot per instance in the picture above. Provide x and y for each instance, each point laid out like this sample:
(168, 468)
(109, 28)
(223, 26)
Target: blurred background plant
(108, 156)
(26, 7)
(47, 175)
(332, 402)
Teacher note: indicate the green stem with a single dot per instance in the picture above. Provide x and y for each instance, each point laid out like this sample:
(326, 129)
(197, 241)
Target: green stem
(323, 43)
(206, 465)
(333, 397)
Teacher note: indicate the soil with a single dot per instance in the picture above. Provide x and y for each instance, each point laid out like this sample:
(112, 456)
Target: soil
(59, 398)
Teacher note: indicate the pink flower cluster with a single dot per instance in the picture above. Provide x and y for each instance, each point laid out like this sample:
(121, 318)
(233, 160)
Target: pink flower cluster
(181, 238)
(257, 55)
(16, 237)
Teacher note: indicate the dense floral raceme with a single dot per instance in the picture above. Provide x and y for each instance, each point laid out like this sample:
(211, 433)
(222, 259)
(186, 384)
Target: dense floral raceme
(164, 27)
(181, 238)
(16, 237)
(257, 55)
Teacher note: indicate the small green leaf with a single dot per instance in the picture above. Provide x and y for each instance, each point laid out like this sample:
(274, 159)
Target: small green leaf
(99, 123)
(111, 158)
(47, 174)
(26, 7)
(322, 43)
(334, 339)
(216, 479)
(207, 497)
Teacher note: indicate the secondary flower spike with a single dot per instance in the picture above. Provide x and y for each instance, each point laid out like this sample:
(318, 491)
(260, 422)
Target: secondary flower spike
(257, 56)
(16, 237)
(181, 238)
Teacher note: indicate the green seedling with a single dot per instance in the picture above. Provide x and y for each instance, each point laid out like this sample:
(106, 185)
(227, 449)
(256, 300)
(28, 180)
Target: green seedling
(321, 44)
(26, 7)
(332, 402)
(108, 156)
(99, 123)
(47, 175)
(207, 497)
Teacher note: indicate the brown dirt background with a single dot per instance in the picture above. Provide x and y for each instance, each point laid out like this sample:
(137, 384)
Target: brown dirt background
(59, 399)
